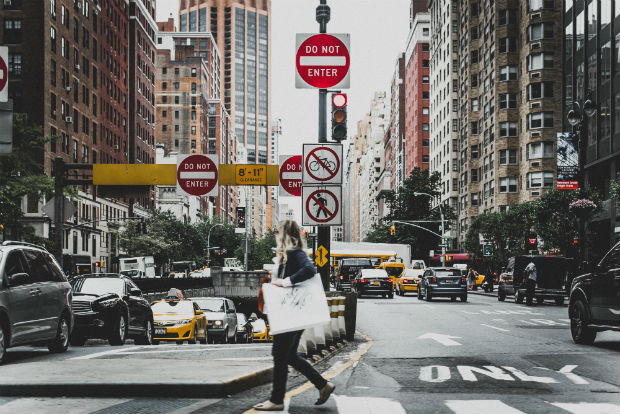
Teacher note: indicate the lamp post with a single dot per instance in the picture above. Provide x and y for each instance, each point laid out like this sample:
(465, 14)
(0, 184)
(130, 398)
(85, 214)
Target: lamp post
(576, 119)
(209, 242)
(443, 228)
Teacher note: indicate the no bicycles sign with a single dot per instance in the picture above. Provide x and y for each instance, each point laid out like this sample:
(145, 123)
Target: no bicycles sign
(322, 164)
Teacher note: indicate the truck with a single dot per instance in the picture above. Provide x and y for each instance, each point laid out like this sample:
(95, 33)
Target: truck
(182, 269)
(137, 267)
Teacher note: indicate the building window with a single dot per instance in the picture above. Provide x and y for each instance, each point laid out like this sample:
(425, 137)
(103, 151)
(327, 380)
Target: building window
(425, 95)
(537, 61)
(425, 79)
(540, 90)
(474, 175)
(425, 47)
(507, 16)
(507, 44)
(474, 105)
(177, 85)
(507, 73)
(507, 129)
(507, 101)
(475, 151)
(425, 159)
(53, 39)
(508, 185)
(508, 157)
(425, 63)
(475, 199)
(425, 110)
(424, 127)
(541, 4)
(474, 128)
(15, 65)
(540, 179)
(540, 120)
(540, 31)
(540, 150)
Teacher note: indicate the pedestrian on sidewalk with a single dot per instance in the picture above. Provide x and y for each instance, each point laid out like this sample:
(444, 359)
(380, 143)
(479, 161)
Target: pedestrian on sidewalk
(471, 275)
(530, 274)
(294, 267)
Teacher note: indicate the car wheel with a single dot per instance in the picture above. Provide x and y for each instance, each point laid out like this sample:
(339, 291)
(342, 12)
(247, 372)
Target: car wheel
(203, 341)
(501, 295)
(3, 345)
(61, 342)
(119, 331)
(77, 340)
(391, 296)
(429, 296)
(559, 301)
(581, 333)
(540, 301)
(518, 297)
(225, 337)
(194, 337)
(155, 342)
(179, 342)
(463, 298)
(453, 298)
(233, 340)
(420, 297)
(147, 337)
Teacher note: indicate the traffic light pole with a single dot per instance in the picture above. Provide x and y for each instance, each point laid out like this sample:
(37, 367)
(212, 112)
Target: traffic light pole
(323, 232)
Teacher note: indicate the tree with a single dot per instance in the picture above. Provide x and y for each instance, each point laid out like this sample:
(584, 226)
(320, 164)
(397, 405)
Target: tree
(22, 174)
(260, 250)
(222, 236)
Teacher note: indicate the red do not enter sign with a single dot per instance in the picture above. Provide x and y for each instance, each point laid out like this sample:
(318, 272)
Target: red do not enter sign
(290, 175)
(322, 61)
(197, 175)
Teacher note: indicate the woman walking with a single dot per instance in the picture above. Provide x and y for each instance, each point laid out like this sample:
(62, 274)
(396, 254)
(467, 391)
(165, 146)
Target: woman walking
(294, 267)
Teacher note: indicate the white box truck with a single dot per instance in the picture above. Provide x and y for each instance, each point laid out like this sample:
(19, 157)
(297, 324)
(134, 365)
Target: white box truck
(138, 267)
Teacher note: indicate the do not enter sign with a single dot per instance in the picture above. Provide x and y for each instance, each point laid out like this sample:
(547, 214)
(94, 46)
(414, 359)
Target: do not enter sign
(197, 175)
(322, 61)
(290, 175)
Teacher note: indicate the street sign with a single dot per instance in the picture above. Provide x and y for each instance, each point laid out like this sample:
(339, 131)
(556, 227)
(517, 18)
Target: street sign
(290, 175)
(322, 61)
(197, 175)
(68, 209)
(322, 164)
(251, 174)
(4, 74)
(322, 206)
(320, 256)
(487, 250)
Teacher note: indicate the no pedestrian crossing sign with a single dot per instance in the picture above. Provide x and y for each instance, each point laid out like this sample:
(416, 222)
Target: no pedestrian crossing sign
(322, 206)
(290, 175)
(322, 164)
(322, 61)
(197, 175)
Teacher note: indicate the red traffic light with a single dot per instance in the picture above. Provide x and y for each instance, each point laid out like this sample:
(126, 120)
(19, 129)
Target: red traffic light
(532, 241)
(339, 100)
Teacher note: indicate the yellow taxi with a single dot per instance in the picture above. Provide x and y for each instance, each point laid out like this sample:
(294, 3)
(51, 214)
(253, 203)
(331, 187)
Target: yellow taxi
(178, 320)
(393, 269)
(408, 281)
(260, 330)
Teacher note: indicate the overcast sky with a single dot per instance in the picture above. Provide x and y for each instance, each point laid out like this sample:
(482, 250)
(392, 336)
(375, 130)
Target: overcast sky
(378, 31)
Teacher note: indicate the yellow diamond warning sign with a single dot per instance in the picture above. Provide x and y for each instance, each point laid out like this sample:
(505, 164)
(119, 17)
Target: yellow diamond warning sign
(320, 256)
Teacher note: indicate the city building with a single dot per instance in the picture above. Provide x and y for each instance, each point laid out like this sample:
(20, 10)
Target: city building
(592, 71)
(393, 176)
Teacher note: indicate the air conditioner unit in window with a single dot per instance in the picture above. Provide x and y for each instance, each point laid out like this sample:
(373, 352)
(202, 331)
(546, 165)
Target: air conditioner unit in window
(535, 134)
(535, 105)
(68, 119)
(535, 16)
(535, 45)
(535, 193)
(116, 147)
(535, 164)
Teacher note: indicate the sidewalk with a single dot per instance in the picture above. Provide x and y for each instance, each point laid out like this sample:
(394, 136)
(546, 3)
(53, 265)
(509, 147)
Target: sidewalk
(192, 371)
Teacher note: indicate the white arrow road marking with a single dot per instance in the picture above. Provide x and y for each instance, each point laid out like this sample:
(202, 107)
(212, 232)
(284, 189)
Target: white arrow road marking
(568, 371)
(589, 408)
(206, 175)
(367, 405)
(481, 407)
(446, 340)
(322, 61)
(495, 327)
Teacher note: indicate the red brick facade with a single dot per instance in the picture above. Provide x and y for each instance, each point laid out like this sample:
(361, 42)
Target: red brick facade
(417, 88)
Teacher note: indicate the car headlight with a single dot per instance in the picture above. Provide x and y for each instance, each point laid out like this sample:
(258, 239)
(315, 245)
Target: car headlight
(107, 303)
(217, 323)
(183, 322)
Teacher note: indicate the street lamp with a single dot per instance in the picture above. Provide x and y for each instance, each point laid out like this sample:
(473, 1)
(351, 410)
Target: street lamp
(577, 118)
(209, 242)
(443, 234)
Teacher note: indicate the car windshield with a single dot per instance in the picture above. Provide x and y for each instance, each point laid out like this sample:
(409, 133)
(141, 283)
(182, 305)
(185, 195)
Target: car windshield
(129, 272)
(393, 270)
(454, 272)
(182, 307)
(99, 286)
(210, 305)
(418, 266)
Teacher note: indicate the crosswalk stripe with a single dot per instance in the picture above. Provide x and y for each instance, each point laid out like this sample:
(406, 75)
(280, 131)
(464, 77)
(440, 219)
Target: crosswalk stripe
(481, 407)
(589, 408)
(367, 405)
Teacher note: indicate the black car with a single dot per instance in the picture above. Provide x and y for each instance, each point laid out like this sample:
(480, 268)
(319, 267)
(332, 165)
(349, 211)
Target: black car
(594, 303)
(110, 306)
(348, 269)
(373, 282)
(553, 276)
(442, 281)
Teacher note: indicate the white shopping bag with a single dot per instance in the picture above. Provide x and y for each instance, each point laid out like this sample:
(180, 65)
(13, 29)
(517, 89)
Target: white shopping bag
(295, 308)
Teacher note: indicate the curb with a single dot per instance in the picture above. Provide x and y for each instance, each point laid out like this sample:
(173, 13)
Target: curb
(483, 293)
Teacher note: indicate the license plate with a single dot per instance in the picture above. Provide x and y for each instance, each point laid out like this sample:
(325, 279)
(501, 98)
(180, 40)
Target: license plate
(160, 331)
(449, 281)
(377, 283)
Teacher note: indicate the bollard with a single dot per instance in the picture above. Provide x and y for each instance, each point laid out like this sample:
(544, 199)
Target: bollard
(327, 327)
(303, 344)
(341, 327)
(319, 337)
(333, 309)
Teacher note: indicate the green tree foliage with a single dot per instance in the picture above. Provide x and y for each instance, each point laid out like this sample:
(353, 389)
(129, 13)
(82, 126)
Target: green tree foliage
(222, 236)
(404, 205)
(21, 174)
(614, 188)
(260, 250)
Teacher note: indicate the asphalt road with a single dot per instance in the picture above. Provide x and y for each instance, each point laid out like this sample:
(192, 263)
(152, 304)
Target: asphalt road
(481, 357)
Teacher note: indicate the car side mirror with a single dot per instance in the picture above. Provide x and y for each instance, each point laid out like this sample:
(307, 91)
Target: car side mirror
(199, 312)
(18, 279)
(135, 292)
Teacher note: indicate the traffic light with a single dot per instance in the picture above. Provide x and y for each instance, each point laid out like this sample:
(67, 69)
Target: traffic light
(339, 116)
(393, 230)
(99, 264)
(448, 258)
(240, 220)
(532, 240)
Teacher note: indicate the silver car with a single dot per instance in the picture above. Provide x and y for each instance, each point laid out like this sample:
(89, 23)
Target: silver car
(221, 318)
(35, 299)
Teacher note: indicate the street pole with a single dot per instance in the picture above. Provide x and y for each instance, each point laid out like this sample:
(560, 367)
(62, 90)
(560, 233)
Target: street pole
(323, 233)
(209, 243)
(443, 229)
(59, 173)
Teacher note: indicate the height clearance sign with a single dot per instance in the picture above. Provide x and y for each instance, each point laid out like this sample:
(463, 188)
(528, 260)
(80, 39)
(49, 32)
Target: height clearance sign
(322, 61)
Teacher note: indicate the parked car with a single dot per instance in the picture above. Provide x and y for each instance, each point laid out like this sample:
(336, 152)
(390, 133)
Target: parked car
(348, 269)
(553, 273)
(221, 318)
(35, 299)
(179, 320)
(408, 282)
(245, 331)
(443, 282)
(373, 282)
(594, 303)
(110, 306)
